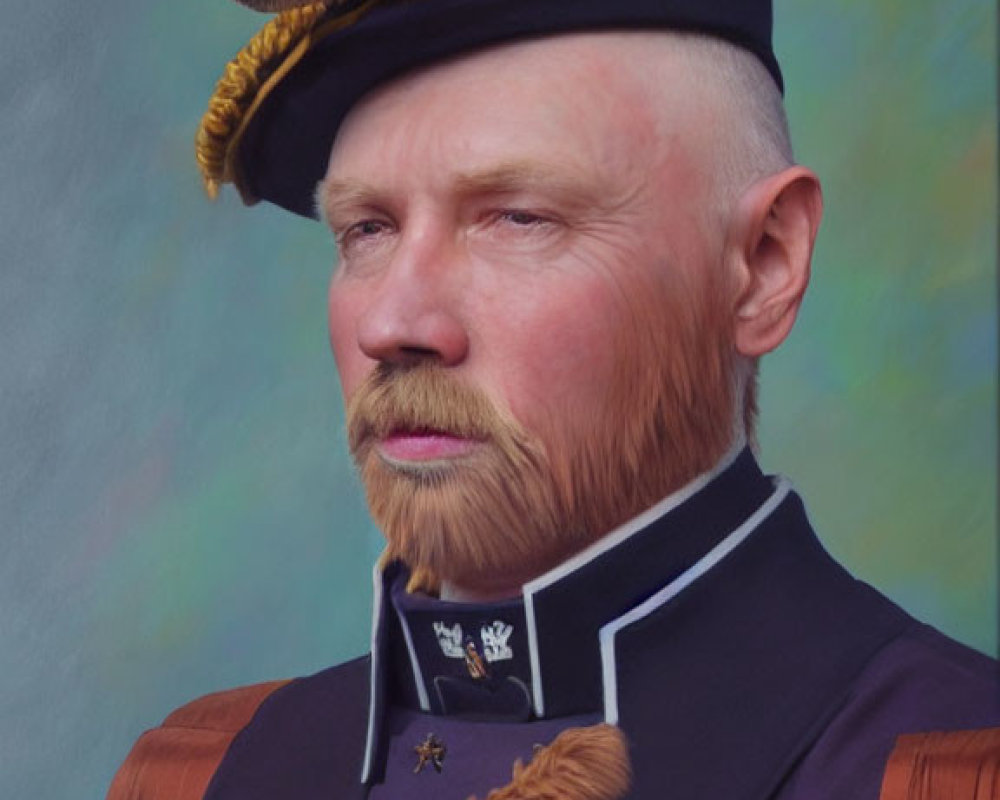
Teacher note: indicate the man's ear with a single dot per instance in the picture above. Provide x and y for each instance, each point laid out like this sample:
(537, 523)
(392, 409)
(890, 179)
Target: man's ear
(769, 248)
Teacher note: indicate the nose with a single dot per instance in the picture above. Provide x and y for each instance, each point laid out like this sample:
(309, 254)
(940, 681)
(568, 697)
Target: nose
(414, 314)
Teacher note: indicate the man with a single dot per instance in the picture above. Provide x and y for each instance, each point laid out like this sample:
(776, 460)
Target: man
(566, 235)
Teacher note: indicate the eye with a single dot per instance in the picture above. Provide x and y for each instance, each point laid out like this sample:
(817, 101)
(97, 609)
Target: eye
(520, 229)
(366, 228)
(363, 238)
(522, 219)
(363, 242)
(370, 227)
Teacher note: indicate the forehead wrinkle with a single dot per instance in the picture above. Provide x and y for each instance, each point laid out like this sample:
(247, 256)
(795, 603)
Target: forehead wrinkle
(520, 175)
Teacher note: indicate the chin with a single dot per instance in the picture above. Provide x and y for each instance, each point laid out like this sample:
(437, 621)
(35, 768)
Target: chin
(471, 524)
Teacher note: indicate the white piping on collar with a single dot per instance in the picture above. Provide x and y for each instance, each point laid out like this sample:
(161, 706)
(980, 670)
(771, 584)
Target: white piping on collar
(418, 675)
(366, 769)
(704, 564)
(601, 546)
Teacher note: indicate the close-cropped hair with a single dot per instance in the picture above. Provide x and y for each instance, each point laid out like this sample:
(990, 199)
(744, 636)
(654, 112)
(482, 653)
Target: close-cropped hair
(752, 141)
(753, 138)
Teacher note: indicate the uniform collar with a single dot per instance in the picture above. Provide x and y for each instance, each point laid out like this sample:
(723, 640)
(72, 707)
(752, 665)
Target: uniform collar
(555, 627)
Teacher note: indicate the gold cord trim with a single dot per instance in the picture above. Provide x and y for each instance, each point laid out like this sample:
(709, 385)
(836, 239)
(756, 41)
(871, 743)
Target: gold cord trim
(247, 81)
(237, 87)
(272, 6)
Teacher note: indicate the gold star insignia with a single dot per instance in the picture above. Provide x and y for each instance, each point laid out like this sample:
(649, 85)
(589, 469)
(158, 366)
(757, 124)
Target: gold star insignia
(430, 751)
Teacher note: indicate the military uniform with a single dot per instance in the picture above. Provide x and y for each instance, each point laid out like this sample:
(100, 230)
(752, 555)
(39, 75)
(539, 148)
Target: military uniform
(738, 658)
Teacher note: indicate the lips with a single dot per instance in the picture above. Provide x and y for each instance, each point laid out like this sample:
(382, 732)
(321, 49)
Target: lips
(425, 445)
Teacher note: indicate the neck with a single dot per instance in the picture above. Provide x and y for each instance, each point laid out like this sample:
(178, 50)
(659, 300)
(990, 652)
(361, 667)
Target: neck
(454, 593)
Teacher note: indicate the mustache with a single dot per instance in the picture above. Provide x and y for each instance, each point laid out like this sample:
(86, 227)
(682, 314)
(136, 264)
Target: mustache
(423, 397)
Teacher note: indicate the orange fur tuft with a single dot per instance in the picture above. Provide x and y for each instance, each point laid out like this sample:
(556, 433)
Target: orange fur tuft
(580, 764)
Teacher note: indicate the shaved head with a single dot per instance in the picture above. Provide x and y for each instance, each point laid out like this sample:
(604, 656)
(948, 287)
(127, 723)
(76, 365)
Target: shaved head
(749, 138)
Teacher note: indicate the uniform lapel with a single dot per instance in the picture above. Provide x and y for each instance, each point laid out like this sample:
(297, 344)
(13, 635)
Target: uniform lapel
(725, 686)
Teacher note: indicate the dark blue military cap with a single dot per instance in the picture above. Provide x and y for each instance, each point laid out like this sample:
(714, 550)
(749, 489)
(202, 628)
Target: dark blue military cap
(272, 121)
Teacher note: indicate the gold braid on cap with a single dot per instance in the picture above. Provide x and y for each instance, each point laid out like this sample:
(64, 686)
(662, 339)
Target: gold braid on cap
(272, 5)
(238, 87)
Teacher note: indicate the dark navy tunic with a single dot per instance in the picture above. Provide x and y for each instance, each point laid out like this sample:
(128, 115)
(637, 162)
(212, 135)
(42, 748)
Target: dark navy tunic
(738, 658)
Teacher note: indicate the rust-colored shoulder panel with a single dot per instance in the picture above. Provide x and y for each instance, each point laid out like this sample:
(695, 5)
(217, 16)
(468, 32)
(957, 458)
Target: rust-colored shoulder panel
(177, 760)
(951, 765)
(230, 710)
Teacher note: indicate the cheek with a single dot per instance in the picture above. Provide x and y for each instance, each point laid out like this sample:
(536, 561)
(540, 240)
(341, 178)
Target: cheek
(558, 353)
(352, 366)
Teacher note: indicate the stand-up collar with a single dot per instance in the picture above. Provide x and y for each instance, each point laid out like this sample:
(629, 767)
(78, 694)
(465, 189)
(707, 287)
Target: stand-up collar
(464, 659)
(539, 655)
(567, 607)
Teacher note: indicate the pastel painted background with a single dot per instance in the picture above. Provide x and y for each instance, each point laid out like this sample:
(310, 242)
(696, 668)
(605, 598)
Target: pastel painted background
(178, 511)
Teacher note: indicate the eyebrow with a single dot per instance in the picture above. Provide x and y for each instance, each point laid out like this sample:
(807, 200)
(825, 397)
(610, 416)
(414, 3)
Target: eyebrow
(338, 193)
(332, 194)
